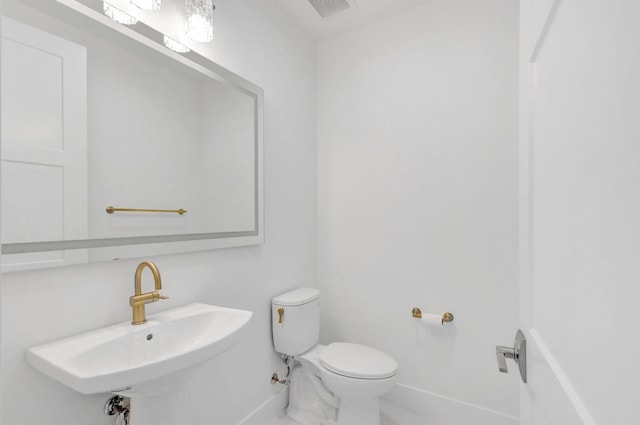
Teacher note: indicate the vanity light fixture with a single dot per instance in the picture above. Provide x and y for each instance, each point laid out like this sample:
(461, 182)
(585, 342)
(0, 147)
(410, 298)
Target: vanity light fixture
(199, 20)
(118, 15)
(170, 43)
(147, 4)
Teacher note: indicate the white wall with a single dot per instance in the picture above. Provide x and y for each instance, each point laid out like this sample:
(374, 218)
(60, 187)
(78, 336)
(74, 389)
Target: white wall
(257, 41)
(417, 177)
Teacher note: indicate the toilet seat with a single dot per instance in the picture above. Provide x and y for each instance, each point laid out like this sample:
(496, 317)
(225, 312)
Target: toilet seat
(357, 361)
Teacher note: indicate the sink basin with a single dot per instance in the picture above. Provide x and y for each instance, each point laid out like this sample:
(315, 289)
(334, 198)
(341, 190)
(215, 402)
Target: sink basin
(120, 357)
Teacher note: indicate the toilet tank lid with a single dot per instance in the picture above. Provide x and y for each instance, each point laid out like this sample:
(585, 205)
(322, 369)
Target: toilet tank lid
(297, 297)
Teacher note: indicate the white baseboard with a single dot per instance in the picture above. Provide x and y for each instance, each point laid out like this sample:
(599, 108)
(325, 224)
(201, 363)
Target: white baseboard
(404, 403)
(269, 410)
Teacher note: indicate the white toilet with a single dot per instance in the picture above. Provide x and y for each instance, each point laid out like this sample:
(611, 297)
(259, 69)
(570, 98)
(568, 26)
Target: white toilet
(339, 383)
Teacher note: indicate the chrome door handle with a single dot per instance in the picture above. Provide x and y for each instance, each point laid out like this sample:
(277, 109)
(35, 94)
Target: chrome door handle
(518, 353)
(502, 354)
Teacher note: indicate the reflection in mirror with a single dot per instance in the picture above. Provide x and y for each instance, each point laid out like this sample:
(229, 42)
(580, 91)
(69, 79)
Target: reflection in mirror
(97, 114)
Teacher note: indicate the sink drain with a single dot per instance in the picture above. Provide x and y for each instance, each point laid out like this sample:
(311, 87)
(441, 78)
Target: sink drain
(149, 337)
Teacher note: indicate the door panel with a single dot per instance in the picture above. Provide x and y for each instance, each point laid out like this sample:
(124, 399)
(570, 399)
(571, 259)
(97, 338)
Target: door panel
(580, 209)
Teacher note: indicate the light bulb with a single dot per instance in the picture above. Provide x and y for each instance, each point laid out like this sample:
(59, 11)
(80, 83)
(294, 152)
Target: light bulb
(199, 21)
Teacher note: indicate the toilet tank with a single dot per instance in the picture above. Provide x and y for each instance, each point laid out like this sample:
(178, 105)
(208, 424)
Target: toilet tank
(295, 321)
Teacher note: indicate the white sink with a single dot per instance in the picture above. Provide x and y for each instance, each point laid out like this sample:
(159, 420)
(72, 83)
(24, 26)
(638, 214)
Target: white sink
(120, 357)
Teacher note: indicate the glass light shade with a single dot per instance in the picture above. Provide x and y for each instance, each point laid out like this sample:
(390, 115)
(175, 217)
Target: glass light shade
(199, 21)
(175, 46)
(147, 4)
(118, 15)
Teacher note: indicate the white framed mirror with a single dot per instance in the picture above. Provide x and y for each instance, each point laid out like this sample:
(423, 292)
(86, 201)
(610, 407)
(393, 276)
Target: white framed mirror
(97, 114)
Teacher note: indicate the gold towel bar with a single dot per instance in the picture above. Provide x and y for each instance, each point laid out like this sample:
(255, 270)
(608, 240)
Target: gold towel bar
(446, 317)
(111, 210)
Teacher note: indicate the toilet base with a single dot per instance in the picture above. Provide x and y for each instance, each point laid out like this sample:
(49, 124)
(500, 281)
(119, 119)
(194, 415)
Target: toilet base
(309, 402)
(318, 396)
(357, 412)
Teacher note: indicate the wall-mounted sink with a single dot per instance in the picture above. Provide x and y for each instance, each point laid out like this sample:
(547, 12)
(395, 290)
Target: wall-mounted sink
(121, 357)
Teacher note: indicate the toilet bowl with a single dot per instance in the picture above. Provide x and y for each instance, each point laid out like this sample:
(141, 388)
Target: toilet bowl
(339, 383)
(357, 375)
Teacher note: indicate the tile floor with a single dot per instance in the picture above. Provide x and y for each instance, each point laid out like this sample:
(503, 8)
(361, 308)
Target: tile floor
(391, 415)
(283, 420)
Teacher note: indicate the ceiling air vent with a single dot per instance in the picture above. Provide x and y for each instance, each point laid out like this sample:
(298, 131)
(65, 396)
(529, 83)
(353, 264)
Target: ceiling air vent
(330, 7)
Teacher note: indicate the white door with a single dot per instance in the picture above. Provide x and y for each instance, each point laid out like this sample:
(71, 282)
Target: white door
(580, 211)
(44, 143)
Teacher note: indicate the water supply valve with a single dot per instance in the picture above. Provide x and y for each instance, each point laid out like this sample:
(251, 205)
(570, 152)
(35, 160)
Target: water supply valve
(275, 379)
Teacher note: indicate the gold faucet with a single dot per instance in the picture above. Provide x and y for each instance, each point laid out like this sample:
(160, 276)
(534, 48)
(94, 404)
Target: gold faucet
(138, 300)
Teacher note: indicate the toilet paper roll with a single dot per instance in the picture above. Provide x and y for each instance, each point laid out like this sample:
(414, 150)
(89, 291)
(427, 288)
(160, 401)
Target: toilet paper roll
(431, 319)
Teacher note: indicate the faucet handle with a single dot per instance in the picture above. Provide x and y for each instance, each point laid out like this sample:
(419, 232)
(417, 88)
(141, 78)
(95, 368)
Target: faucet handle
(158, 296)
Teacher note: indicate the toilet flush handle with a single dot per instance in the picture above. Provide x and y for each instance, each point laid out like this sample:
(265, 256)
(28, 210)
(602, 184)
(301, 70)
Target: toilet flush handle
(280, 314)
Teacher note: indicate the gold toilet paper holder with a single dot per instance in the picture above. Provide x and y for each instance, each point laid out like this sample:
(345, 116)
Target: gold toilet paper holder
(446, 317)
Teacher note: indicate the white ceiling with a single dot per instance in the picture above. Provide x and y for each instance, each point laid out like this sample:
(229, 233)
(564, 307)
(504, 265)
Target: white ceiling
(362, 12)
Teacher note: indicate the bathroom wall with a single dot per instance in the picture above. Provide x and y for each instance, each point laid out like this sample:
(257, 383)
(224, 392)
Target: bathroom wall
(417, 201)
(258, 42)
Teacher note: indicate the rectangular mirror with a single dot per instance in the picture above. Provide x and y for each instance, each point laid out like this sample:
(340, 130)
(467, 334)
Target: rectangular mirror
(114, 145)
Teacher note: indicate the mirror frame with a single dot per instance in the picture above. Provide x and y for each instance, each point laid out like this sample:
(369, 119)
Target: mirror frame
(145, 36)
